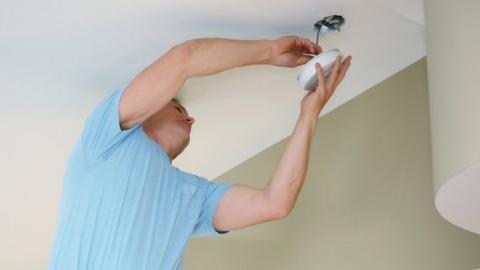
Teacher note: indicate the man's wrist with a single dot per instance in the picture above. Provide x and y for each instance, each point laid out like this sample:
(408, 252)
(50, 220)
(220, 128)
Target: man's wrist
(309, 117)
(267, 51)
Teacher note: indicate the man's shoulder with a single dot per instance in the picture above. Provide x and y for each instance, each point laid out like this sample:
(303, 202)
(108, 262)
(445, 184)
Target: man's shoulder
(190, 178)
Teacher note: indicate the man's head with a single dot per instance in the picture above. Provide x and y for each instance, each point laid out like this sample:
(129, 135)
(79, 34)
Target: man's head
(170, 127)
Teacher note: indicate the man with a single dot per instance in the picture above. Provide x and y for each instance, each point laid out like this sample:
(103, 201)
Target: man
(124, 206)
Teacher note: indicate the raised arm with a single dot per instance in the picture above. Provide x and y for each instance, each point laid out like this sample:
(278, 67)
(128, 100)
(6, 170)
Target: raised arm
(157, 84)
(243, 206)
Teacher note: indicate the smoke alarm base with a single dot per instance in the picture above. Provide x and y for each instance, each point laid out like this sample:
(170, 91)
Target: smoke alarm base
(308, 75)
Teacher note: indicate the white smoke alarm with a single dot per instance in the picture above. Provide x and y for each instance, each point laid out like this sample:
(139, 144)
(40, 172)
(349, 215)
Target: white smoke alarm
(308, 75)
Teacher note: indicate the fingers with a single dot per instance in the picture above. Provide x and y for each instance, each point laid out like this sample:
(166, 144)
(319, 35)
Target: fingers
(343, 70)
(320, 77)
(297, 43)
(318, 49)
(332, 79)
(310, 46)
(339, 70)
(306, 44)
(303, 59)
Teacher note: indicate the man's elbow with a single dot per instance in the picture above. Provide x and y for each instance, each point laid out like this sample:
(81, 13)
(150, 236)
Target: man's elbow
(281, 212)
(190, 54)
(181, 55)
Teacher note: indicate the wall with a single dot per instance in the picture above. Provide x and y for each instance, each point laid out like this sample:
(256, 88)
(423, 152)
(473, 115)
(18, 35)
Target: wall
(367, 202)
(35, 151)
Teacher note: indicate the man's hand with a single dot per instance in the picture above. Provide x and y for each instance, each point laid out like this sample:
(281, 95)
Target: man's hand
(292, 51)
(314, 100)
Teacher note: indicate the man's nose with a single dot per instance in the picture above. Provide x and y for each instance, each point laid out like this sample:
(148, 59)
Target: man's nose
(190, 120)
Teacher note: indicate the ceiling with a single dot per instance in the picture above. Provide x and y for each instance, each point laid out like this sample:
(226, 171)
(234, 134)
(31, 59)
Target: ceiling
(64, 57)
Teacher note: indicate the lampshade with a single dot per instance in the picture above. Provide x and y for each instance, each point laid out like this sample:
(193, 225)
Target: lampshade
(453, 38)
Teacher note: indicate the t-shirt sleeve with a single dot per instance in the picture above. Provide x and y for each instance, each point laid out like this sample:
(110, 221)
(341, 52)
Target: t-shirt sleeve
(214, 194)
(102, 133)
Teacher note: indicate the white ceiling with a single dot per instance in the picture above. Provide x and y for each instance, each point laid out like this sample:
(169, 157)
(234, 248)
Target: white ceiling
(64, 57)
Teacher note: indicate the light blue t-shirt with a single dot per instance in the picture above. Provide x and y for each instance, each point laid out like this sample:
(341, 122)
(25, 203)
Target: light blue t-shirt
(123, 205)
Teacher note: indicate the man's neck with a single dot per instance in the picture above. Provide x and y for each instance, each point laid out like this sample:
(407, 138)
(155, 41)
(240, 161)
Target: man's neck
(169, 149)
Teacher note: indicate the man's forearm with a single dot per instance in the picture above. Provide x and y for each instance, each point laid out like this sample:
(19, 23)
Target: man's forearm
(287, 179)
(212, 55)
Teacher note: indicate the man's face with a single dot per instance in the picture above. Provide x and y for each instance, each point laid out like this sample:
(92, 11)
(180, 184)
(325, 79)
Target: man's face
(173, 120)
(181, 114)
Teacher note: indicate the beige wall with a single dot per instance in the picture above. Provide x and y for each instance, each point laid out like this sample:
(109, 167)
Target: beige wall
(37, 144)
(367, 202)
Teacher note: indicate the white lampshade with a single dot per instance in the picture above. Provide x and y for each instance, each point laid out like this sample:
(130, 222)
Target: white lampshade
(453, 38)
